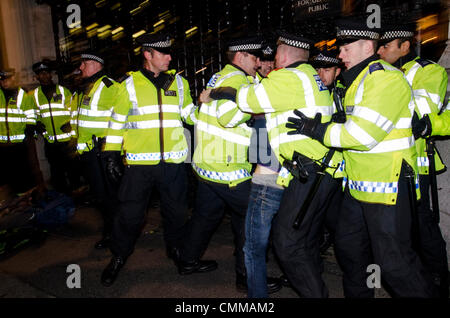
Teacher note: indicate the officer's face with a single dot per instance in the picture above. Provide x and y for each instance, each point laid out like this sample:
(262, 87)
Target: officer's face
(391, 51)
(354, 53)
(6, 83)
(328, 74)
(89, 68)
(265, 67)
(248, 62)
(44, 78)
(158, 61)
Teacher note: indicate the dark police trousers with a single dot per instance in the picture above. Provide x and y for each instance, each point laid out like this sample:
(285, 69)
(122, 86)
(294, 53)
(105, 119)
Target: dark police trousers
(103, 190)
(210, 203)
(432, 246)
(298, 249)
(134, 195)
(380, 234)
(61, 163)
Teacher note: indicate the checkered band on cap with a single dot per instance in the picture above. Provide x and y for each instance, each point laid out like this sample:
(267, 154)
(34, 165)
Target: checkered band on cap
(358, 34)
(244, 47)
(159, 44)
(327, 59)
(92, 57)
(397, 35)
(294, 43)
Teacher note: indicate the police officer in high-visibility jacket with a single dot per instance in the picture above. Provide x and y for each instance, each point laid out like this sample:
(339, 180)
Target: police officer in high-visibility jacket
(329, 68)
(380, 165)
(91, 111)
(52, 105)
(221, 164)
(296, 85)
(429, 84)
(147, 123)
(17, 122)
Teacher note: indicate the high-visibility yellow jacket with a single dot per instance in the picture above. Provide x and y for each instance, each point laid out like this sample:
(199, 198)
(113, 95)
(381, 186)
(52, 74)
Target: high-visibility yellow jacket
(440, 123)
(284, 90)
(15, 114)
(377, 135)
(91, 112)
(222, 135)
(53, 113)
(147, 122)
(429, 84)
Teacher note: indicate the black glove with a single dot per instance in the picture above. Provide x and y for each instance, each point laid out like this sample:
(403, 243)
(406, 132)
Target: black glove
(421, 128)
(29, 130)
(113, 165)
(338, 117)
(223, 93)
(40, 128)
(66, 128)
(306, 126)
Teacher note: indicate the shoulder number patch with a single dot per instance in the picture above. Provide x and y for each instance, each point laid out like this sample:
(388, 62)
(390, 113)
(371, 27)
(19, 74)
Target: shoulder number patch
(212, 81)
(320, 84)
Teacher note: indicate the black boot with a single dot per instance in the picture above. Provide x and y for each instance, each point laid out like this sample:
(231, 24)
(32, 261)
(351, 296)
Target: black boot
(199, 266)
(111, 271)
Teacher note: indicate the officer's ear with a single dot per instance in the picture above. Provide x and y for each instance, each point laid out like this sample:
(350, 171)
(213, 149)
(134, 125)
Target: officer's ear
(338, 71)
(405, 47)
(148, 55)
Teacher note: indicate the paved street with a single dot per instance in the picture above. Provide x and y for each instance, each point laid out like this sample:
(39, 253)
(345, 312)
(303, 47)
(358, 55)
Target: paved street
(40, 271)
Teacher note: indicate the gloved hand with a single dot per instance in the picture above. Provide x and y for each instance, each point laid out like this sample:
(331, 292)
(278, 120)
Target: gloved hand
(113, 165)
(66, 128)
(40, 128)
(29, 130)
(338, 117)
(306, 126)
(421, 128)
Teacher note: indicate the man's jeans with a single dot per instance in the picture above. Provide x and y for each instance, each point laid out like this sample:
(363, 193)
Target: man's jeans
(263, 205)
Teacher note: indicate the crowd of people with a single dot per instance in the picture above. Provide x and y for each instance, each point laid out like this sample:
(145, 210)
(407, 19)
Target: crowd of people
(294, 144)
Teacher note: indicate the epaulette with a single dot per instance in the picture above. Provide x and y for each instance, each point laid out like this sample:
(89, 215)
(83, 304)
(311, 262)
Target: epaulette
(107, 81)
(376, 67)
(423, 62)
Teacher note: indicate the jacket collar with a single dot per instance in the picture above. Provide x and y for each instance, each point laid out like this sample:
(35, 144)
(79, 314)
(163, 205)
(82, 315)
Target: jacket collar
(350, 75)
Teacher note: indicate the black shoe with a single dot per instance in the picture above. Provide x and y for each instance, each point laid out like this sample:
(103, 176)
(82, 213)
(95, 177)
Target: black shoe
(111, 271)
(103, 243)
(273, 284)
(200, 266)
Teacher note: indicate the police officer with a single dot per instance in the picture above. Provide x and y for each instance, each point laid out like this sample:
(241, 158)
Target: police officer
(91, 112)
(380, 166)
(147, 122)
(294, 85)
(222, 166)
(18, 120)
(52, 104)
(440, 127)
(329, 67)
(429, 84)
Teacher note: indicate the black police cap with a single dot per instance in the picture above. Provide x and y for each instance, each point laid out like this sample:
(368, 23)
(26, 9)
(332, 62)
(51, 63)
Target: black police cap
(294, 40)
(160, 42)
(325, 59)
(353, 29)
(399, 31)
(93, 55)
(249, 44)
(41, 66)
(4, 74)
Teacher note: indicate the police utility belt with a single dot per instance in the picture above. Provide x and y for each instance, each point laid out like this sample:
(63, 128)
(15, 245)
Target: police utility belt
(300, 165)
